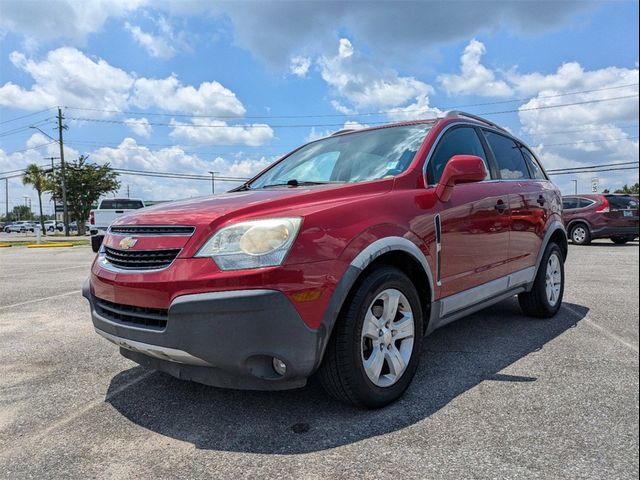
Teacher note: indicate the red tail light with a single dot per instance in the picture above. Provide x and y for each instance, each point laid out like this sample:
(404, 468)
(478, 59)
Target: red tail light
(604, 208)
(92, 219)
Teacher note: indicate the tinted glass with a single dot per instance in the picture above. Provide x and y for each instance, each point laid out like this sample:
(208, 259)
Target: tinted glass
(510, 160)
(120, 204)
(534, 166)
(622, 202)
(459, 141)
(583, 203)
(356, 157)
(569, 203)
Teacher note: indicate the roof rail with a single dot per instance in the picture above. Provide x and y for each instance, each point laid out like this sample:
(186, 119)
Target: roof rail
(459, 113)
(344, 130)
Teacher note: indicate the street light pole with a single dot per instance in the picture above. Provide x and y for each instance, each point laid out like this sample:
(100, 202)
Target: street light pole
(575, 187)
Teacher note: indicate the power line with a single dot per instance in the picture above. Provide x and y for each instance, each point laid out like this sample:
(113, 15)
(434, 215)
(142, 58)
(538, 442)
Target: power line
(591, 141)
(201, 125)
(592, 166)
(31, 148)
(593, 171)
(24, 127)
(25, 116)
(353, 114)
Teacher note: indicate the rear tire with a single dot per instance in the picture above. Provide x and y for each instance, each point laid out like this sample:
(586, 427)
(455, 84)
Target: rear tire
(580, 234)
(545, 298)
(96, 241)
(356, 349)
(621, 240)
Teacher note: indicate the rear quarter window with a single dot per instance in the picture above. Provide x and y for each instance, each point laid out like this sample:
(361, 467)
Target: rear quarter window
(534, 167)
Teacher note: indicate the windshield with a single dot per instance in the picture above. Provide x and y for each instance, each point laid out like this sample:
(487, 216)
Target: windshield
(356, 157)
(120, 204)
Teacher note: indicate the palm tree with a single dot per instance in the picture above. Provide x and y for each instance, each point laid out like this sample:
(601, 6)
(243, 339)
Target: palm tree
(35, 176)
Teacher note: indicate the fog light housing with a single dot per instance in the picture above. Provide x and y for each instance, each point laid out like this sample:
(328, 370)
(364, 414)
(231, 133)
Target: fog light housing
(279, 366)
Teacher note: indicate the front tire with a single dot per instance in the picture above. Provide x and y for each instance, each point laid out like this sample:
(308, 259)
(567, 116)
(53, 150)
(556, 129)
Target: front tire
(374, 350)
(545, 298)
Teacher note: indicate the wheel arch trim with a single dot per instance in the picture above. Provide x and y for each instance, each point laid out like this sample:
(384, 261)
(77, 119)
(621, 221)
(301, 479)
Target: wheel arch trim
(361, 261)
(555, 226)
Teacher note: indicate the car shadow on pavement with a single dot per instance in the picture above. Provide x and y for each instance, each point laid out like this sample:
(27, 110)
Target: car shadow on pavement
(454, 359)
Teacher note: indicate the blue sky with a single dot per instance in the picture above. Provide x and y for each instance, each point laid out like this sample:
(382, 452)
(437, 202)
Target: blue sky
(257, 79)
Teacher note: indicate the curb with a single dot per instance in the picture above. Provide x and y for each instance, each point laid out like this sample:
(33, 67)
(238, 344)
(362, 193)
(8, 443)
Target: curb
(5, 245)
(49, 245)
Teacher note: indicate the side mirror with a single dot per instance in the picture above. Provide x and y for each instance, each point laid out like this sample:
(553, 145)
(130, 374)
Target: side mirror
(460, 169)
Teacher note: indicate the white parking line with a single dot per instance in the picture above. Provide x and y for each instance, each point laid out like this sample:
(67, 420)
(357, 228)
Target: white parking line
(88, 267)
(4, 307)
(603, 330)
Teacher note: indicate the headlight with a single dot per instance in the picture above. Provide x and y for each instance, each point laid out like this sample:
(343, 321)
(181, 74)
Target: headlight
(252, 244)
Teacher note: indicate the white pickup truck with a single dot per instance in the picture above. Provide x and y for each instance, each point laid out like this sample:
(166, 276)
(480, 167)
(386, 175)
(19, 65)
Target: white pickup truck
(108, 210)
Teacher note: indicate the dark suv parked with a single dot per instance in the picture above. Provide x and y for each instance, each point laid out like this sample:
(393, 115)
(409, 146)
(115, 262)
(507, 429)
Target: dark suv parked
(593, 216)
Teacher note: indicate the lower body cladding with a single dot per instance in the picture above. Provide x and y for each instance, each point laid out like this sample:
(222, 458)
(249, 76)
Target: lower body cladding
(246, 339)
(607, 232)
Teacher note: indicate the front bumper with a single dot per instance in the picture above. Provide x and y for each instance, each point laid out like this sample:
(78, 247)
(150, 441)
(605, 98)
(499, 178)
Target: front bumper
(224, 339)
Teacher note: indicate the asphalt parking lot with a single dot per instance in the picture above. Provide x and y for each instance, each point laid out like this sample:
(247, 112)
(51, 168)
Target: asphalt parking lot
(497, 395)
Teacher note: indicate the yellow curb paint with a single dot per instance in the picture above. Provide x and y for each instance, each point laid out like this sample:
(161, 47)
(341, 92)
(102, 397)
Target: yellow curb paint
(5, 245)
(49, 245)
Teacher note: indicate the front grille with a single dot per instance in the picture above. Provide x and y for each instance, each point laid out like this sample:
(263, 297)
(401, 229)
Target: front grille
(141, 259)
(153, 318)
(152, 230)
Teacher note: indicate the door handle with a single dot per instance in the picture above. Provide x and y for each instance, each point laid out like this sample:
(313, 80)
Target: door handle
(541, 200)
(500, 206)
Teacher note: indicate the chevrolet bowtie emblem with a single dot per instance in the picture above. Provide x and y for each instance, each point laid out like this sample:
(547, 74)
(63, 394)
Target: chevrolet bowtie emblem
(128, 242)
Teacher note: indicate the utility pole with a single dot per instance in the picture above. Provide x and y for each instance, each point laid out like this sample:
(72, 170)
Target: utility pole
(128, 192)
(65, 211)
(213, 179)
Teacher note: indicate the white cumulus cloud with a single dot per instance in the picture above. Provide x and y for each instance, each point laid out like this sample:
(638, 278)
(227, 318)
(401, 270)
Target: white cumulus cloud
(474, 78)
(155, 45)
(139, 126)
(300, 66)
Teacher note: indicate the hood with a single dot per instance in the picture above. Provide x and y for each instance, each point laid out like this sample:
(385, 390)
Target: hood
(205, 211)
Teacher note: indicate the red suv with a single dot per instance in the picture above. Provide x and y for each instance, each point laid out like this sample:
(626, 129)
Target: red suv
(337, 259)
(588, 217)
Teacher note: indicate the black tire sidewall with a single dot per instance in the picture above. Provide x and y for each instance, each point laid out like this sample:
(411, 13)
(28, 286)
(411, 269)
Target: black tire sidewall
(381, 279)
(541, 283)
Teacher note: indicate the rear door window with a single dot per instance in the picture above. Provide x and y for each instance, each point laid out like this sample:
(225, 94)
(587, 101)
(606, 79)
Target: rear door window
(569, 203)
(457, 141)
(622, 202)
(511, 163)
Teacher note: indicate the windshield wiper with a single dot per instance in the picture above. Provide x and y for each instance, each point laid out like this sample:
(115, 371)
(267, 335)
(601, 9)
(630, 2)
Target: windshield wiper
(296, 183)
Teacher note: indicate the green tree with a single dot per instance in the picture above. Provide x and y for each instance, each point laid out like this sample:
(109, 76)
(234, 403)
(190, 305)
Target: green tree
(86, 183)
(633, 190)
(37, 178)
(19, 212)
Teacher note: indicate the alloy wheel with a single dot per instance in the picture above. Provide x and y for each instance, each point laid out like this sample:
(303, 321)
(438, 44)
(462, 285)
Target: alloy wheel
(387, 337)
